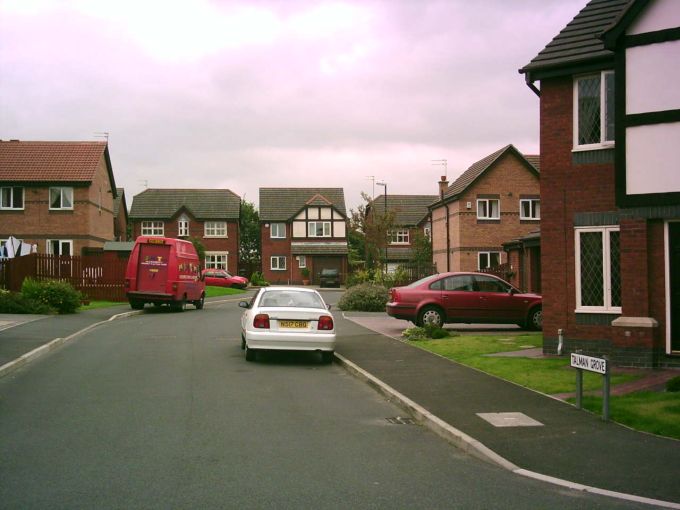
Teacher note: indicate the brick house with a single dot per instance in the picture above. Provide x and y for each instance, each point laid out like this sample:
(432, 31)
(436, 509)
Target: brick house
(492, 202)
(57, 195)
(411, 216)
(209, 215)
(302, 228)
(120, 216)
(610, 185)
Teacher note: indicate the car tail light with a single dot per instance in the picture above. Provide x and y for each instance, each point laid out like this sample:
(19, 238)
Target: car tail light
(261, 321)
(394, 295)
(325, 323)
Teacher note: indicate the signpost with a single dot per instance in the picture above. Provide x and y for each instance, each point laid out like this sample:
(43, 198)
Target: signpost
(598, 365)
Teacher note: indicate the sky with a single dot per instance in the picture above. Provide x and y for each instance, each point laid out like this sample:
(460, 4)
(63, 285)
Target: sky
(277, 93)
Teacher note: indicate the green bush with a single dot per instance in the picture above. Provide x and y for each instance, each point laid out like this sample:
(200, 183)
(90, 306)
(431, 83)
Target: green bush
(58, 295)
(257, 279)
(673, 384)
(429, 331)
(365, 297)
(14, 302)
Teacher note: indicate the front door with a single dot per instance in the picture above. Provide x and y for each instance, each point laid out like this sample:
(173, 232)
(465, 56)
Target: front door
(674, 283)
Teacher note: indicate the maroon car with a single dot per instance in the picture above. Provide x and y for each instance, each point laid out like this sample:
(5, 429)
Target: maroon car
(221, 278)
(465, 297)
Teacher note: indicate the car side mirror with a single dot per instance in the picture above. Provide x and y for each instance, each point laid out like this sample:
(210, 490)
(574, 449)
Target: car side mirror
(243, 304)
(512, 291)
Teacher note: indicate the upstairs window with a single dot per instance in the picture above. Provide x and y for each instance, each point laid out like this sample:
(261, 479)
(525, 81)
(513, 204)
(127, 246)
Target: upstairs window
(277, 230)
(594, 110)
(152, 228)
(319, 229)
(183, 228)
(12, 198)
(215, 229)
(488, 209)
(530, 209)
(398, 236)
(61, 198)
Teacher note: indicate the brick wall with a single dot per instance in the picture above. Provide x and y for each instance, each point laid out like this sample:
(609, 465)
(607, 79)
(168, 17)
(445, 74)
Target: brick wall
(273, 247)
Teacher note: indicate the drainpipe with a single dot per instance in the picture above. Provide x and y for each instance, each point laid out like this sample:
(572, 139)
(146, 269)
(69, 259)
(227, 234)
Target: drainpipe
(443, 186)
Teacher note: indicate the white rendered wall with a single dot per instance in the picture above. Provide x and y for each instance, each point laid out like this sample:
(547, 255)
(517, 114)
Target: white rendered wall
(659, 15)
(653, 77)
(653, 158)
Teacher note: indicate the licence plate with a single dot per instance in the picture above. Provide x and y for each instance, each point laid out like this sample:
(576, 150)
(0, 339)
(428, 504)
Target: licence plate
(293, 324)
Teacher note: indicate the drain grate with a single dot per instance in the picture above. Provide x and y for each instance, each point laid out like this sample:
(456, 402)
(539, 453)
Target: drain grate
(400, 420)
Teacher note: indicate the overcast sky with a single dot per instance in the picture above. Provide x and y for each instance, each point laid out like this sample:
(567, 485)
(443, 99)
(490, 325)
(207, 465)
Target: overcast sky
(246, 94)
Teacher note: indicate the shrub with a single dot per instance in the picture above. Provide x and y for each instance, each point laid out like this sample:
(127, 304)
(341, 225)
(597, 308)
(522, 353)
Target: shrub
(14, 302)
(429, 331)
(365, 297)
(673, 384)
(257, 279)
(58, 295)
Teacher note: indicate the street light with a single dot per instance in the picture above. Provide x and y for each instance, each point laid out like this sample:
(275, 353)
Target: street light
(384, 185)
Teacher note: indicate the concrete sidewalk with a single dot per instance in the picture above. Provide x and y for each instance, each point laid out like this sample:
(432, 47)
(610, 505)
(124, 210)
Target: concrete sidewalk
(567, 443)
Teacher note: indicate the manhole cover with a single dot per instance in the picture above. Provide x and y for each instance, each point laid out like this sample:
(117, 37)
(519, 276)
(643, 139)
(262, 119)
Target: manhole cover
(509, 420)
(400, 420)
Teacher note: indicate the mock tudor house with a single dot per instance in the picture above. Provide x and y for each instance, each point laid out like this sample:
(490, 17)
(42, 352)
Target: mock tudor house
(411, 216)
(209, 215)
(58, 196)
(302, 228)
(494, 201)
(610, 184)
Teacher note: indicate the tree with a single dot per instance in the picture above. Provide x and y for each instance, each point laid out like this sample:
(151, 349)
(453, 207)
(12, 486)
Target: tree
(249, 246)
(421, 253)
(200, 249)
(369, 225)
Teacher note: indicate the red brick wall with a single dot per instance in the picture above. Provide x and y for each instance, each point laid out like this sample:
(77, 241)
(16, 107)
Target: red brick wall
(281, 247)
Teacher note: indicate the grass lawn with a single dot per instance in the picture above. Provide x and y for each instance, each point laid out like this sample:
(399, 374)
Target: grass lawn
(654, 412)
(102, 304)
(210, 291)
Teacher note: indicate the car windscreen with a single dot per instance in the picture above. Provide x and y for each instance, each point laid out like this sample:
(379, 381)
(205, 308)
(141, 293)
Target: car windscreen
(291, 298)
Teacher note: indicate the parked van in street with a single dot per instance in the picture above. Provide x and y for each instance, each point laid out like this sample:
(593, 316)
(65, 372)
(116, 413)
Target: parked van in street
(162, 271)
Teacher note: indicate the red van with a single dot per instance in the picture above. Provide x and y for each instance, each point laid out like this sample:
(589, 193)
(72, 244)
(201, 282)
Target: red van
(164, 271)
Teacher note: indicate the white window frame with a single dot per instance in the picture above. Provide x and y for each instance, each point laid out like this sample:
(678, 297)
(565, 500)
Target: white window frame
(488, 256)
(399, 236)
(183, 228)
(61, 242)
(487, 202)
(311, 229)
(12, 198)
(603, 143)
(277, 263)
(63, 190)
(534, 209)
(606, 265)
(215, 229)
(275, 233)
(153, 228)
(302, 261)
(217, 260)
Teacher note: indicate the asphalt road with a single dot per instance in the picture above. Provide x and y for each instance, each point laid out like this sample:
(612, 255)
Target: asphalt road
(162, 411)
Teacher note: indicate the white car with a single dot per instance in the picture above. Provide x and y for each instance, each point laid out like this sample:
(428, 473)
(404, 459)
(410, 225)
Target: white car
(287, 318)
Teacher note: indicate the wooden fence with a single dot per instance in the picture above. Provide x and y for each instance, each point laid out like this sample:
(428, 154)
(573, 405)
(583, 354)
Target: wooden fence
(98, 277)
(503, 271)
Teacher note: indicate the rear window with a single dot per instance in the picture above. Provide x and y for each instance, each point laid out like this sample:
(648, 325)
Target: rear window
(423, 280)
(329, 272)
(291, 298)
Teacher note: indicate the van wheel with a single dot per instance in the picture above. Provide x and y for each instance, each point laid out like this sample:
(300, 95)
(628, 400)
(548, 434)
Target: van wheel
(136, 305)
(179, 306)
(199, 303)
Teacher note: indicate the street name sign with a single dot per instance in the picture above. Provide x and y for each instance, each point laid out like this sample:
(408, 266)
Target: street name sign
(589, 363)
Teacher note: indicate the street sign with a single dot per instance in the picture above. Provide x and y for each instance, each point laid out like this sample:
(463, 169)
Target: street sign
(589, 363)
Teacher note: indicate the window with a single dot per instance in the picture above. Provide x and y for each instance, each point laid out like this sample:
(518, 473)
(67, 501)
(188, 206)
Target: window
(488, 209)
(319, 229)
(152, 228)
(302, 261)
(594, 110)
(487, 259)
(215, 229)
(530, 209)
(490, 284)
(462, 283)
(59, 247)
(183, 228)
(277, 230)
(12, 198)
(216, 259)
(278, 263)
(398, 236)
(61, 198)
(427, 230)
(598, 270)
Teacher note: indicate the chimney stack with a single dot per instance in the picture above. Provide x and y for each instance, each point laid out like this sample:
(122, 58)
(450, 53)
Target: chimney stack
(443, 186)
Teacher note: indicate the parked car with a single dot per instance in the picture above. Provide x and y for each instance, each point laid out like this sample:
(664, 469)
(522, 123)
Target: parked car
(465, 297)
(329, 278)
(287, 318)
(221, 278)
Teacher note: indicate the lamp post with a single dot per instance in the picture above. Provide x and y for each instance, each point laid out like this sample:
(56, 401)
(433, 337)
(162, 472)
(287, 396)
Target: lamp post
(384, 185)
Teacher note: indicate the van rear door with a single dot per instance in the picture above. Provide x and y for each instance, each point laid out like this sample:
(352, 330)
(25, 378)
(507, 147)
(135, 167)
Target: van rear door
(152, 270)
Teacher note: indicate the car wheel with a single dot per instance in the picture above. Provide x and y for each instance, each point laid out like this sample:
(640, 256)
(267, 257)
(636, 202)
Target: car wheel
(430, 315)
(199, 304)
(327, 357)
(243, 342)
(250, 353)
(136, 305)
(535, 321)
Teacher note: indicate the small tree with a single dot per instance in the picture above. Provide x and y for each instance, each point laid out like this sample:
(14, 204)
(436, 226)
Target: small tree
(371, 224)
(200, 249)
(421, 253)
(249, 228)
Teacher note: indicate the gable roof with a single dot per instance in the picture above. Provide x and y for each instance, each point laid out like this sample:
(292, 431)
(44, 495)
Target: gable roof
(578, 44)
(203, 204)
(467, 178)
(52, 162)
(409, 210)
(281, 204)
